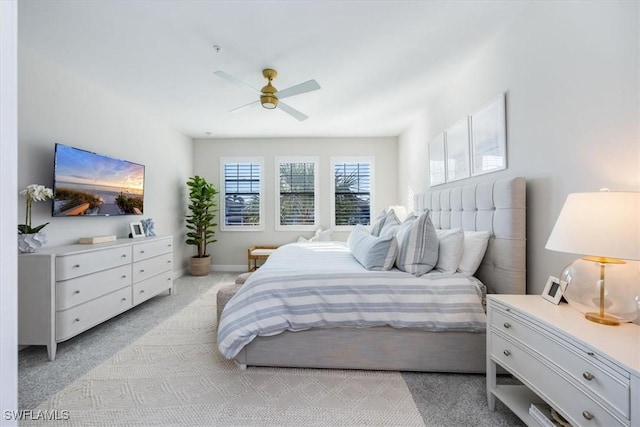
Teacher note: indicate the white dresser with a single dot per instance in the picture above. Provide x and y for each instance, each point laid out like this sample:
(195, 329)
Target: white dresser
(589, 373)
(65, 290)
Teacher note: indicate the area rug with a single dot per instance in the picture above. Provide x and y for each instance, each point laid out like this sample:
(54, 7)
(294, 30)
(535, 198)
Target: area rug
(174, 376)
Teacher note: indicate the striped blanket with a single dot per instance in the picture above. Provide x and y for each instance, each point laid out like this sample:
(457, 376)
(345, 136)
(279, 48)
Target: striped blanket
(321, 285)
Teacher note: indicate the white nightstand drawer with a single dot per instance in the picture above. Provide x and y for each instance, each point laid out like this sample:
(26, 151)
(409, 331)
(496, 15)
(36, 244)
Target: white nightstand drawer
(577, 405)
(150, 267)
(151, 287)
(70, 266)
(75, 320)
(72, 292)
(151, 249)
(606, 384)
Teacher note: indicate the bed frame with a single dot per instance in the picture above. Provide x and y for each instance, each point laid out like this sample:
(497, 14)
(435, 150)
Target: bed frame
(496, 206)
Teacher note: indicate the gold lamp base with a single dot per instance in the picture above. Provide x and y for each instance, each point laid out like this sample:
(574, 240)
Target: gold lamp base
(603, 319)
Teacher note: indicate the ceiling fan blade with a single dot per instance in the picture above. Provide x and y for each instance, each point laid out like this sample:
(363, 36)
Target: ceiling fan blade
(232, 79)
(292, 111)
(243, 106)
(308, 86)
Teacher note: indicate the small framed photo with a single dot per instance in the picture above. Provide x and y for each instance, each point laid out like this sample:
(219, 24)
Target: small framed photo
(554, 289)
(136, 229)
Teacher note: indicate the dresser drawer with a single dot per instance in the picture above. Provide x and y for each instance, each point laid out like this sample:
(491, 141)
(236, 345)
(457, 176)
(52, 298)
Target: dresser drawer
(150, 267)
(76, 291)
(577, 405)
(75, 320)
(70, 266)
(151, 287)
(152, 249)
(605, 383)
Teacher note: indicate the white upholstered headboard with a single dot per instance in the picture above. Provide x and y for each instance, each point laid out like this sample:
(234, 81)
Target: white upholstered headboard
(498, 207)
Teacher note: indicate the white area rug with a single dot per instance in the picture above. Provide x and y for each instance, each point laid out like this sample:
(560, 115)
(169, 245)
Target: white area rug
(174, 376)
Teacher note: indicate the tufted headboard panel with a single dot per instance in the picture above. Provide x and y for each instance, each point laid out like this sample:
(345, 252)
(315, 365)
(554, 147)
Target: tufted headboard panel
(498, 207)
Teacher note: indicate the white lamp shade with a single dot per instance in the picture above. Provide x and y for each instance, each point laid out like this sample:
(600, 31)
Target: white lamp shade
(602, 224)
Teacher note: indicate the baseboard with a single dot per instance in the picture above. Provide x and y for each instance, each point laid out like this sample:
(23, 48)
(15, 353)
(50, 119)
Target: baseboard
(234, 268)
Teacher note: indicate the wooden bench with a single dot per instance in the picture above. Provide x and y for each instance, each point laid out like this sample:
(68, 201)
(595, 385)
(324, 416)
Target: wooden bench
(259, 252)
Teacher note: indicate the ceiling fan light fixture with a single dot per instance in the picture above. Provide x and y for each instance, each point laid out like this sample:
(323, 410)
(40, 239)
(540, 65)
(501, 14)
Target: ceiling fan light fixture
(269, 101)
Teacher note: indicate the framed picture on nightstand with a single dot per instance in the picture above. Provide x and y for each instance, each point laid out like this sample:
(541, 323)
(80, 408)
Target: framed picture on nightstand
(554, 289)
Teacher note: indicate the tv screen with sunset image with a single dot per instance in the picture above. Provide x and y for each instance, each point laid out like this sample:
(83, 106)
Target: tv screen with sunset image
(90, 184)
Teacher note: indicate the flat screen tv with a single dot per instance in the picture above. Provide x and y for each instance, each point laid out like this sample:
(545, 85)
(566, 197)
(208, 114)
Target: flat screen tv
(90, 184)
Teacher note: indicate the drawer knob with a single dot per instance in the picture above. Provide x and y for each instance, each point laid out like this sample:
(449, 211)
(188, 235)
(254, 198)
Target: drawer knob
(591, 353)
(169, 262)
(142, 291)
(77, 319)
(141, 252)
(587, 415)
(124, 276)
(588, 376)
(123, 256)
(507, 325)
(507, 353)
(76, 266)
(124, 299)
(141, 271)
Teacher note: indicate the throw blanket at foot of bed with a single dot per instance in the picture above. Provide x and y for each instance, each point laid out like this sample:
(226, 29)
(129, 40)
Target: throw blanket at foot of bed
(321, 285)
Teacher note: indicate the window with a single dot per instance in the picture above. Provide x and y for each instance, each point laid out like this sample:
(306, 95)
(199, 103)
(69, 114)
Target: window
(351, 187)
(243, 193)
(296, 197)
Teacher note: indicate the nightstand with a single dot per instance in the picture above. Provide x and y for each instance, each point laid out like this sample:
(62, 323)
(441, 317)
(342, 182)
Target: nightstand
(589, 373)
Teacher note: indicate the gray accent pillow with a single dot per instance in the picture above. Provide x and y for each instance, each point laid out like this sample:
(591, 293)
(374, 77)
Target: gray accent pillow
(374, 253)
(417, 245)
(378, 223)
(391, 224)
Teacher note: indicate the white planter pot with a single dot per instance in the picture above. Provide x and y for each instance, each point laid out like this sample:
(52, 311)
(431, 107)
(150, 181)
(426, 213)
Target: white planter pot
(29, 243)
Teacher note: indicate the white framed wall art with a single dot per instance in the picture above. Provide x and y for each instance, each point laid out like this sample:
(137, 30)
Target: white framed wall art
(489, 137)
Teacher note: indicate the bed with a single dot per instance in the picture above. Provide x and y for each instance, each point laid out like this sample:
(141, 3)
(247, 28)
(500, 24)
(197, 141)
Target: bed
(497, 207)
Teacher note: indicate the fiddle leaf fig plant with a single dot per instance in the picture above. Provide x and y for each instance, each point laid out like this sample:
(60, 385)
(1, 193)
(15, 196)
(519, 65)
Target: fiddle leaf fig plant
(201, 220)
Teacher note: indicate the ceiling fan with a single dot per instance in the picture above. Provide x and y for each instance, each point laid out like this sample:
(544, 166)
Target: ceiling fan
(270, 97)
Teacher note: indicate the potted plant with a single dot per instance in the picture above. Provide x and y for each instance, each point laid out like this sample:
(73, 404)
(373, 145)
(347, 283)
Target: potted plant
(201, 222)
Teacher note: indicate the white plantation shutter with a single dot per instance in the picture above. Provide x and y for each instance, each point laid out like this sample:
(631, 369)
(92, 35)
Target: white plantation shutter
(242, 194)
(352, 192)
(297, 201)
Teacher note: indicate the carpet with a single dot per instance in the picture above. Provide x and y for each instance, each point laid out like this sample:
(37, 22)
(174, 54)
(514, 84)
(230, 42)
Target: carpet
(174, 376)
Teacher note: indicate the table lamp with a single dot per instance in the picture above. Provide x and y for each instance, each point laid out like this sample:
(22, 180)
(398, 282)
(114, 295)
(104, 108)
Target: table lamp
(605, 227)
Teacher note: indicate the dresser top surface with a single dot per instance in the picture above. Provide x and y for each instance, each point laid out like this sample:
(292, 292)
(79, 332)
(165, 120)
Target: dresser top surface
(621, 343)
(78, 247)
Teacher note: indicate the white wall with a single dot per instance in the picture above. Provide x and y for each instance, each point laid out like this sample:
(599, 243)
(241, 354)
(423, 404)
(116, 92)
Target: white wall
(57, 106)
(230, 252)
(571, 74)
(8, 217)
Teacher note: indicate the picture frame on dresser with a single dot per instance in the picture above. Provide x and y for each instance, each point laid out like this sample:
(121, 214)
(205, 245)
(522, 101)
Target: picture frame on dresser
(554, 289)
(136, 229)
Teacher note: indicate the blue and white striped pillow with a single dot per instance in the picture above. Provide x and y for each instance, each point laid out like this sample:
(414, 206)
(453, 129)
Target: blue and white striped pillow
(374, 253)
(417, 245)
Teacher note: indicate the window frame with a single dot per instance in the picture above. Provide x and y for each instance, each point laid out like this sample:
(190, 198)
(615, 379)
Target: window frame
(316, 198)
(351, 159)
(261, 224)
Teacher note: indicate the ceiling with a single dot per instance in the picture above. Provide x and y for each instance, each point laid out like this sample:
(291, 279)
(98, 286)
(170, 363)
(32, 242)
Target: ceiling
(376, 61)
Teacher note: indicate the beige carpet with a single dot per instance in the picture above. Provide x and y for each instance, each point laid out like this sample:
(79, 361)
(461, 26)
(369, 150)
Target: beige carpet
(174, 376)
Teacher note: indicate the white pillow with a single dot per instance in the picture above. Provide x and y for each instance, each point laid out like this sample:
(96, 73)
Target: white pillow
(450, 250)
(417, 245)
(321, 236)
(302, 239)
(474, 248)
(374, 253)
